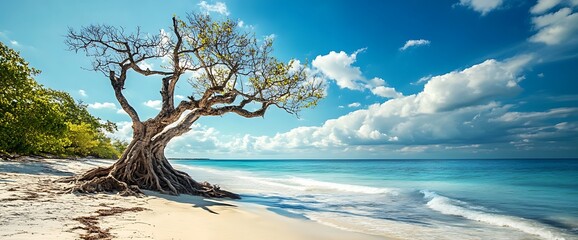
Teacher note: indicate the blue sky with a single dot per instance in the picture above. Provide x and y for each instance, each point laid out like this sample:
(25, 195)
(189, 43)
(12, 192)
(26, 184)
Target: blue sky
(405, 79)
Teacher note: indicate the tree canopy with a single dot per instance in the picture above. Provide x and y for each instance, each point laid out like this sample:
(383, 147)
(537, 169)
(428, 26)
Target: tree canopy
(39, 120)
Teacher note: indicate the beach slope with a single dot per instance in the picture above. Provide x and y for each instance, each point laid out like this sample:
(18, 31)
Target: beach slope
(34, 207)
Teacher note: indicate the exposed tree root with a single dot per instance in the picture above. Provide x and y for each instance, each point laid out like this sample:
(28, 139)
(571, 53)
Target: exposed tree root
(171, 182)
(106, 184)
(144, 166)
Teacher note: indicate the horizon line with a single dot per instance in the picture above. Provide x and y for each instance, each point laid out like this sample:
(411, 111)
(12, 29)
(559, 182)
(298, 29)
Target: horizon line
(260, 159)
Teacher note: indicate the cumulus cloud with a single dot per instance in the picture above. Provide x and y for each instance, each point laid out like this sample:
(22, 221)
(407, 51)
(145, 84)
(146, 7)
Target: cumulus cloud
(482, 6)
(386, 92)
(414, 43)
(556, 28)
(543, 6)
(104, 105)
(218, 7)
(525, 118)
(455, 112)
(145, 65)
(354, 105)
(156, 104)
(82, 93)
(458, 111)
(121, 111)
(458, 108)
(123, 133)
(488, 80)
(199, 140)
(422, 80)
(339, 67)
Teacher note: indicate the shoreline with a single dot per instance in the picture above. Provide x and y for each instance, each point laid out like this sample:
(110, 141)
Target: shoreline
(34, 207)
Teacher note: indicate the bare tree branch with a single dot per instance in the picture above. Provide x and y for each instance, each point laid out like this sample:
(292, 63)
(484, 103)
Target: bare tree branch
(229, 71)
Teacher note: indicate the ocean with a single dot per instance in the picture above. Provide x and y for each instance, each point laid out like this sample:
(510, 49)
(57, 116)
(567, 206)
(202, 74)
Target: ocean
(411, 199)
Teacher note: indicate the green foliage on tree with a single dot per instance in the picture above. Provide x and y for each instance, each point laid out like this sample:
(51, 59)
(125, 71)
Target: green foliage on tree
(39, 120)
(81, 138)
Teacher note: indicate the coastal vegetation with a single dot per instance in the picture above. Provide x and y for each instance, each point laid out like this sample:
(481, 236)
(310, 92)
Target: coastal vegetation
(232, 72)
(35, 120)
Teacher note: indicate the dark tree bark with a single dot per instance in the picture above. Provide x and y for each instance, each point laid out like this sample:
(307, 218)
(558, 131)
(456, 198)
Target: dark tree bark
(235, 71)
(144, 166)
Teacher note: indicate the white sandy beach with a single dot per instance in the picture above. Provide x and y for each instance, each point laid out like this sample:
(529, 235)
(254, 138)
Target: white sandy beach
(33, 207)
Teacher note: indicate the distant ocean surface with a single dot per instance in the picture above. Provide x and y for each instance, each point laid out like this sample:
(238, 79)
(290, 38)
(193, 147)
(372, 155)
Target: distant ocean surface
(412, 199)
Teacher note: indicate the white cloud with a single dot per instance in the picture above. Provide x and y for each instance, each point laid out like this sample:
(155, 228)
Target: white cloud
(199, 140)
(313, 77)
(15, 43)
(121, 111)
(180, 97)
(422, 80)
(544, 5)
(156, 104)
(145, 65)
(457, 107)
(375, 82)
(164, 46)
(483, 81)
(354, 105)
(414, 149)
(414, 43)
(338, 66)
(218, 7)
(455, 112)
(82, 93)
(124, 132)
(243, 24)
(482, 6)
(386, 92)
(556, 28)
(104, 105)
(525, 117)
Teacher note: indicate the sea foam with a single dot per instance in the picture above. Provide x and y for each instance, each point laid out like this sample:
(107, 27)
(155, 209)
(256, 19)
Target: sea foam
(455, 207)
(316, 185)
(296, 183)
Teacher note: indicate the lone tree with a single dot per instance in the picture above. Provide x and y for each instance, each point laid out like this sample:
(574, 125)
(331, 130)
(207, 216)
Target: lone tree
(232, 71)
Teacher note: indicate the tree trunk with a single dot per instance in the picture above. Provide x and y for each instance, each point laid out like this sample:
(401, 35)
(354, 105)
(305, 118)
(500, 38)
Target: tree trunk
(143, 165)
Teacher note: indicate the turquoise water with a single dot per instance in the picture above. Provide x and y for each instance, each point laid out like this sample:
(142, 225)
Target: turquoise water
(412, 199)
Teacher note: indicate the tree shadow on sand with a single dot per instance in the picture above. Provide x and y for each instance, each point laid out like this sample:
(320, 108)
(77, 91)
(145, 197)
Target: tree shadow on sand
(34, 168)
(195, 201)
